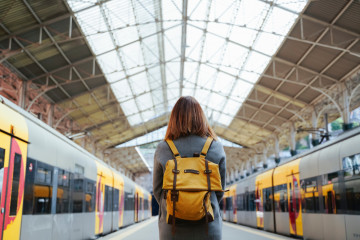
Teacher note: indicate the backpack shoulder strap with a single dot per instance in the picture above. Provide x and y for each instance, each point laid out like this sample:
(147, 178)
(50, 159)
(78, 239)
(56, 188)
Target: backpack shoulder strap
(172, 147)
(206, 146)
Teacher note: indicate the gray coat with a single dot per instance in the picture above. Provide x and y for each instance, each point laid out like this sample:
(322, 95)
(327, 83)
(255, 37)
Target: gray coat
(187, 146)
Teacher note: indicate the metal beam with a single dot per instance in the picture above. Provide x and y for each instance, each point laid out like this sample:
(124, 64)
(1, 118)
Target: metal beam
(183, 45)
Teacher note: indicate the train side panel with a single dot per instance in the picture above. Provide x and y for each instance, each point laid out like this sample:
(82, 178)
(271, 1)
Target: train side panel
(13, 156)
(349, 155)
(246, 213)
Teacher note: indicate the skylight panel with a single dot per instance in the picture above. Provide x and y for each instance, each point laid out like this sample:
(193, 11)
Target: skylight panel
(216, 101)
(129, 107)
(197, 9)
(148, 115)
(132, 55)
(256, 62)
(109, 62)
(126, 35)
(295, 6)
(279, 21)
(122, 90)
(92, 21)
(135, 119)
(115, 76)
(243, 36)
(224, 83)
(158, 96)
(251, 77)
(144, 101)
(231, 107)
(225, 119)
(202, 95)
(240, 91)
(213, 47)
(194, 42)
(171, 11)
(267, 43)
(252, 13)
(139, 83)
(77, 5)
(172, 42)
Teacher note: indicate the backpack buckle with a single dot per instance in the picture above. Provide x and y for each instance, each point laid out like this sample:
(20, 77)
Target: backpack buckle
(176, 171)
(174, 196)
(207, 171)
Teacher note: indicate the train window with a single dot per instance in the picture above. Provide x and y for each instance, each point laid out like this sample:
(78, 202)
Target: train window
(146, 204)
(351, 165)
(116, 200)
(63, 192)
(15, 185)
(310, 195)
(2, 157)
(89, 196)
(239, 202)
(108, 198)
(267, 199)
(280, 198)
(77, 192)
(43, 175)
(331, 193)
(129, 201)
(229, 203)
(42, 189)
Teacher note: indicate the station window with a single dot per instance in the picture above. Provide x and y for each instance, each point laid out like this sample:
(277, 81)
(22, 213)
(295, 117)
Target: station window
(15, 185)
(310, 195)
(77, 192)
(63, 192)
(351, 167)
(89, 196)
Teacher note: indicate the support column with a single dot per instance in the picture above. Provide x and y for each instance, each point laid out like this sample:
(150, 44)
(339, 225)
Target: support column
(314, 136)
(248, 167)
(292, 141)
(22, 95)
(277, 149)
(242, 170)
(50, 119)
(347, 125)
(232, 175)
(264, 158)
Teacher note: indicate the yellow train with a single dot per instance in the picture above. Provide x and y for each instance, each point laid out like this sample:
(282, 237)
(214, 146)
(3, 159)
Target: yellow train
(50, 188)
(314, 195)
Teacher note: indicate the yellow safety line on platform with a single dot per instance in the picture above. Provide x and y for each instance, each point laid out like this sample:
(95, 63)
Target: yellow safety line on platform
(137, 227)
(254, 231)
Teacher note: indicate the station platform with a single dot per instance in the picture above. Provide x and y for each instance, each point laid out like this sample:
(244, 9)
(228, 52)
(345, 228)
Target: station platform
(148, 229)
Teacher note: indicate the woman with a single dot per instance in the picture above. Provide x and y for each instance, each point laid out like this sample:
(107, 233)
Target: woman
(189, 129)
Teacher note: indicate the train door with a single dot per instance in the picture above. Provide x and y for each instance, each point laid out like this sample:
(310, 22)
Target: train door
(12, 177)
(259, 206)
(100, 205)
(294, 205)
(136, 207)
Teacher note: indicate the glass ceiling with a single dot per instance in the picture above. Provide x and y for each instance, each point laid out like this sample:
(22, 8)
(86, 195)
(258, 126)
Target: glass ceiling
(151, 54)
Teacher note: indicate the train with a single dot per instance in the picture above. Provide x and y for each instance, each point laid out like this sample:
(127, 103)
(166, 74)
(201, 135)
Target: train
(313, 195)
(51, 188)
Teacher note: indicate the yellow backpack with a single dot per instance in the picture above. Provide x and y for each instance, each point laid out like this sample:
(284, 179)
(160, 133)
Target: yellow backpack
(187, 185)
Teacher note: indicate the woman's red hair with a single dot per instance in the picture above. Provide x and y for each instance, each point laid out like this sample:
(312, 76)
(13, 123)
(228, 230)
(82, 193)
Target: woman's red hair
(188, 118)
